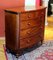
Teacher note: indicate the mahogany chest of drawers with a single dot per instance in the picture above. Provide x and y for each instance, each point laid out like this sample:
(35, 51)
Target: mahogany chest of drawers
(24, 27)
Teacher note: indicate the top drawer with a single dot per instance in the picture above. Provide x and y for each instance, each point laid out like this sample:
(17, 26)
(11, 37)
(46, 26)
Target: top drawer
(31, 15)
(42, 12)
(27, 16)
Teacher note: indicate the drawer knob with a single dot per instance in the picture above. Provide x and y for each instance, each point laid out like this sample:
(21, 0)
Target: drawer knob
(28, 41)
(41, 27)
(42, 13)
(29, 16)
(28, 23)
(28, 32)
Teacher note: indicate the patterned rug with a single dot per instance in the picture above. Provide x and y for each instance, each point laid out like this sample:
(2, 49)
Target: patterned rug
(44, 52)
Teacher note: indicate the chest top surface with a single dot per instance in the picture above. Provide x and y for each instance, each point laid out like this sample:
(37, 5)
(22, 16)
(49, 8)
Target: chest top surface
(24, 9)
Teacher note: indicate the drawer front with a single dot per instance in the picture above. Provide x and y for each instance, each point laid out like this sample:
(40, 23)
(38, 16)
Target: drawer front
(42, 12)
(27, 16)
(41, 33)
(29, 24)
(29, 32)
(24, 43)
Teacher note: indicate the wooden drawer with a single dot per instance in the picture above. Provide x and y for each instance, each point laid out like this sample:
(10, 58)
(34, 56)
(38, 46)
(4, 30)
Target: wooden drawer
(29, 24)
(29, 32)
(41, 33)
(27, 16)
(37, 13)
(42, 12)
(24, 43)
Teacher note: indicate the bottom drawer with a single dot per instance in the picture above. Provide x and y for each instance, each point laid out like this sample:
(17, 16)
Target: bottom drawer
(28, 42)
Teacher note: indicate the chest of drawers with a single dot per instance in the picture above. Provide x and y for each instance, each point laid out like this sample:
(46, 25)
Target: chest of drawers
(23, 29)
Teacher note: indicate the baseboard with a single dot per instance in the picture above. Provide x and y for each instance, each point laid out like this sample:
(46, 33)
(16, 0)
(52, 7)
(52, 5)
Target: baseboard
(2, 38)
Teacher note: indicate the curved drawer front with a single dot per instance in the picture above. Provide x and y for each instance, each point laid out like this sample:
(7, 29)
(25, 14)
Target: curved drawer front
(24, 43)
(27, 16)
(29, 32)
(29, 24)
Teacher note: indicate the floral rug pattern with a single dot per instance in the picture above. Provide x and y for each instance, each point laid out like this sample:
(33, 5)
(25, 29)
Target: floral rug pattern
(44, 52)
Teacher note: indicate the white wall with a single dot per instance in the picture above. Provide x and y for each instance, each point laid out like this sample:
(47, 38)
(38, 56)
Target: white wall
(30, 2)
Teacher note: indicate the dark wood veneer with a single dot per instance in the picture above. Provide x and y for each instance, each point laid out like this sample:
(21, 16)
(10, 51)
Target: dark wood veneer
(24, 29)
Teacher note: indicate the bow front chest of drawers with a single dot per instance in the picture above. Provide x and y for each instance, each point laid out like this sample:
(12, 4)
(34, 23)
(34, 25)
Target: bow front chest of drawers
(24, 27)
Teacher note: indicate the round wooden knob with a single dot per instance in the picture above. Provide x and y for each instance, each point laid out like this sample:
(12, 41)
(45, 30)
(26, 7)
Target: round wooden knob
(28, 32)
(42, 13)
(28, 23)
(41, 27)
(28, 41)
(29, 16)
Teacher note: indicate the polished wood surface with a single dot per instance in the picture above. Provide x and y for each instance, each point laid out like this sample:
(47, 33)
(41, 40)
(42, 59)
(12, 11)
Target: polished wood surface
(29, 32)
(25, 9)
(30, 41)
(23, 29)
(48, 36)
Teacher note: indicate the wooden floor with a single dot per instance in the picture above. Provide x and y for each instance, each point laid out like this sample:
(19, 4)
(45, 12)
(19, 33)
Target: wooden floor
(2, 54)
(48, 35)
